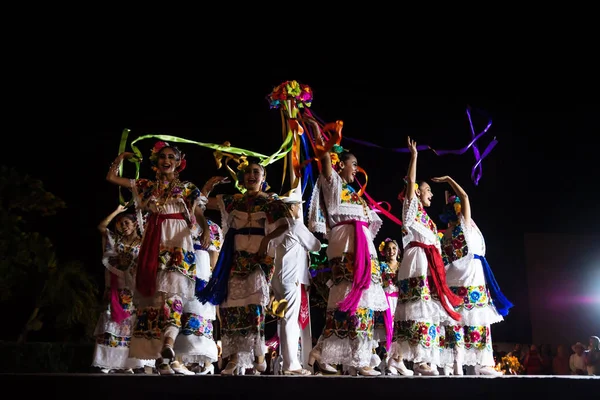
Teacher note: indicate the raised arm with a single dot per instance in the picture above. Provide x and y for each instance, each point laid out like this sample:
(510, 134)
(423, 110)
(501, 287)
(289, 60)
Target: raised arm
(411, 176)
(103, 225)
(324, 157)
(465, 206)
(210, 184)
(112, 175)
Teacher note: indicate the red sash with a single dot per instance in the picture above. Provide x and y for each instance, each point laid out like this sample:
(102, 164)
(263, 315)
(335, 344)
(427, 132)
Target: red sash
(145, 281)
(438, 274)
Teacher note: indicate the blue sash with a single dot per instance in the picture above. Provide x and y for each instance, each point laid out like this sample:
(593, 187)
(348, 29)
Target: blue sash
(215, 291)
(500, 301)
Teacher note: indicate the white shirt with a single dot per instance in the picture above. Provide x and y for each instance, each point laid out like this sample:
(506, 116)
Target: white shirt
(291, 253)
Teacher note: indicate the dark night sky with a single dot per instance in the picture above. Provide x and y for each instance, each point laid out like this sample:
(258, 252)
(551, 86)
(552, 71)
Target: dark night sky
(543, 165)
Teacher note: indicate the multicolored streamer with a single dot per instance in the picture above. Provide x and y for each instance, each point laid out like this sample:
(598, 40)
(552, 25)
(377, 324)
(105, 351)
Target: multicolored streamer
(476, 171)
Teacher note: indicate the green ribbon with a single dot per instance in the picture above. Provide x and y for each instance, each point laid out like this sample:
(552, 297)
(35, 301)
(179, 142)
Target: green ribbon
(265, 160)
(122, 145)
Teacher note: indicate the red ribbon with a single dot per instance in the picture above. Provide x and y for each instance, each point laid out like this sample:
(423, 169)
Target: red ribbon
(438, 274)
(149, 251)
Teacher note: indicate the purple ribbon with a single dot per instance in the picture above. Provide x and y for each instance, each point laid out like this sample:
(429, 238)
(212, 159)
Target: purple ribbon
(476, 170)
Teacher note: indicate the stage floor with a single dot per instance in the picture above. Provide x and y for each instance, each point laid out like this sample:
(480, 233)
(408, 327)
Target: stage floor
(106, 387)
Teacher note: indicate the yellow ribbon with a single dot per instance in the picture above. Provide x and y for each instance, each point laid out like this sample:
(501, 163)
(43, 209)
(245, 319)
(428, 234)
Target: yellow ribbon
(278, 308)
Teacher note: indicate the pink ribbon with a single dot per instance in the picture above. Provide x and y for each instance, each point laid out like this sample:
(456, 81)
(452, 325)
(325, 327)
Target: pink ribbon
(117, 313)
(362, 267)
(388, 319)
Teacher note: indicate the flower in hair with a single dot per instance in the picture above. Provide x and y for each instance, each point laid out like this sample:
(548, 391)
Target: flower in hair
(337, 149)
(382, 246)
(182, 164)
(334, 158)
(158, 146)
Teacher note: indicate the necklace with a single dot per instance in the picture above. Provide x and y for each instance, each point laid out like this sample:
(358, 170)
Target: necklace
(393, 267)
(166, 190)
(250, 199)
(125, 253)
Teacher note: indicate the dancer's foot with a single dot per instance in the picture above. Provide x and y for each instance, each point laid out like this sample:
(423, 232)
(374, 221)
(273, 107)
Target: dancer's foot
(314, 361)
(425, 369)
(399, 366)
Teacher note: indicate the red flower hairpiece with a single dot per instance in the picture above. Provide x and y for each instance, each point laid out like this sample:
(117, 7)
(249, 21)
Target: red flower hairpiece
(182, 164)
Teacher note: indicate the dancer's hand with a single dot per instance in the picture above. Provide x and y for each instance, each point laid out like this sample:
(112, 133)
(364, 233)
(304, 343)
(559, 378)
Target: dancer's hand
(441, 179)
(212, 182)
(264, 246)
(412, 146)
(120, 208)
(205, 239)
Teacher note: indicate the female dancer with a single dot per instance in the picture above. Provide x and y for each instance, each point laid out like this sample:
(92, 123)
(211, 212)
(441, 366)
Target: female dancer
(113, 331)
(469, 276)
(240, 281)
(337, 211)
(166, 275)
(424, 299)
(196, 344)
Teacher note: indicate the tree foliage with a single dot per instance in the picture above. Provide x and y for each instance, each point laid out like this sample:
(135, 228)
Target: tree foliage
(61, 295)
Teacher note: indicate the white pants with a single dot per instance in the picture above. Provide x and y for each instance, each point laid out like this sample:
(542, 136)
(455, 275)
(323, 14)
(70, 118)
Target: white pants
(288, 326)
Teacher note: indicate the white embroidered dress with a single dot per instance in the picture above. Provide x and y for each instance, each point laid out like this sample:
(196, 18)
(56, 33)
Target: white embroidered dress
(347, 340)
(111, 350)
(470, 340)
(418, 315)
(195, 343)
(242, 312)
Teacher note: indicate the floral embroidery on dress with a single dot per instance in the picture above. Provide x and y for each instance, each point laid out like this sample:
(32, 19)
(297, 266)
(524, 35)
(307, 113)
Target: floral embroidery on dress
(242, 321)
(421, 333)
(349, 195)
(477, 337)
(110, 340)
(343, 325)
(149, 324)
(388, 277)
(423, 218)
(172, 311)
(174, 189)
(468, 337)
(415, 289)
(342, 268)
(454, 246)
(245, 263)
(194, 324)
(473, 296)
(215, 234)
(174, 259)
(272, 205)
